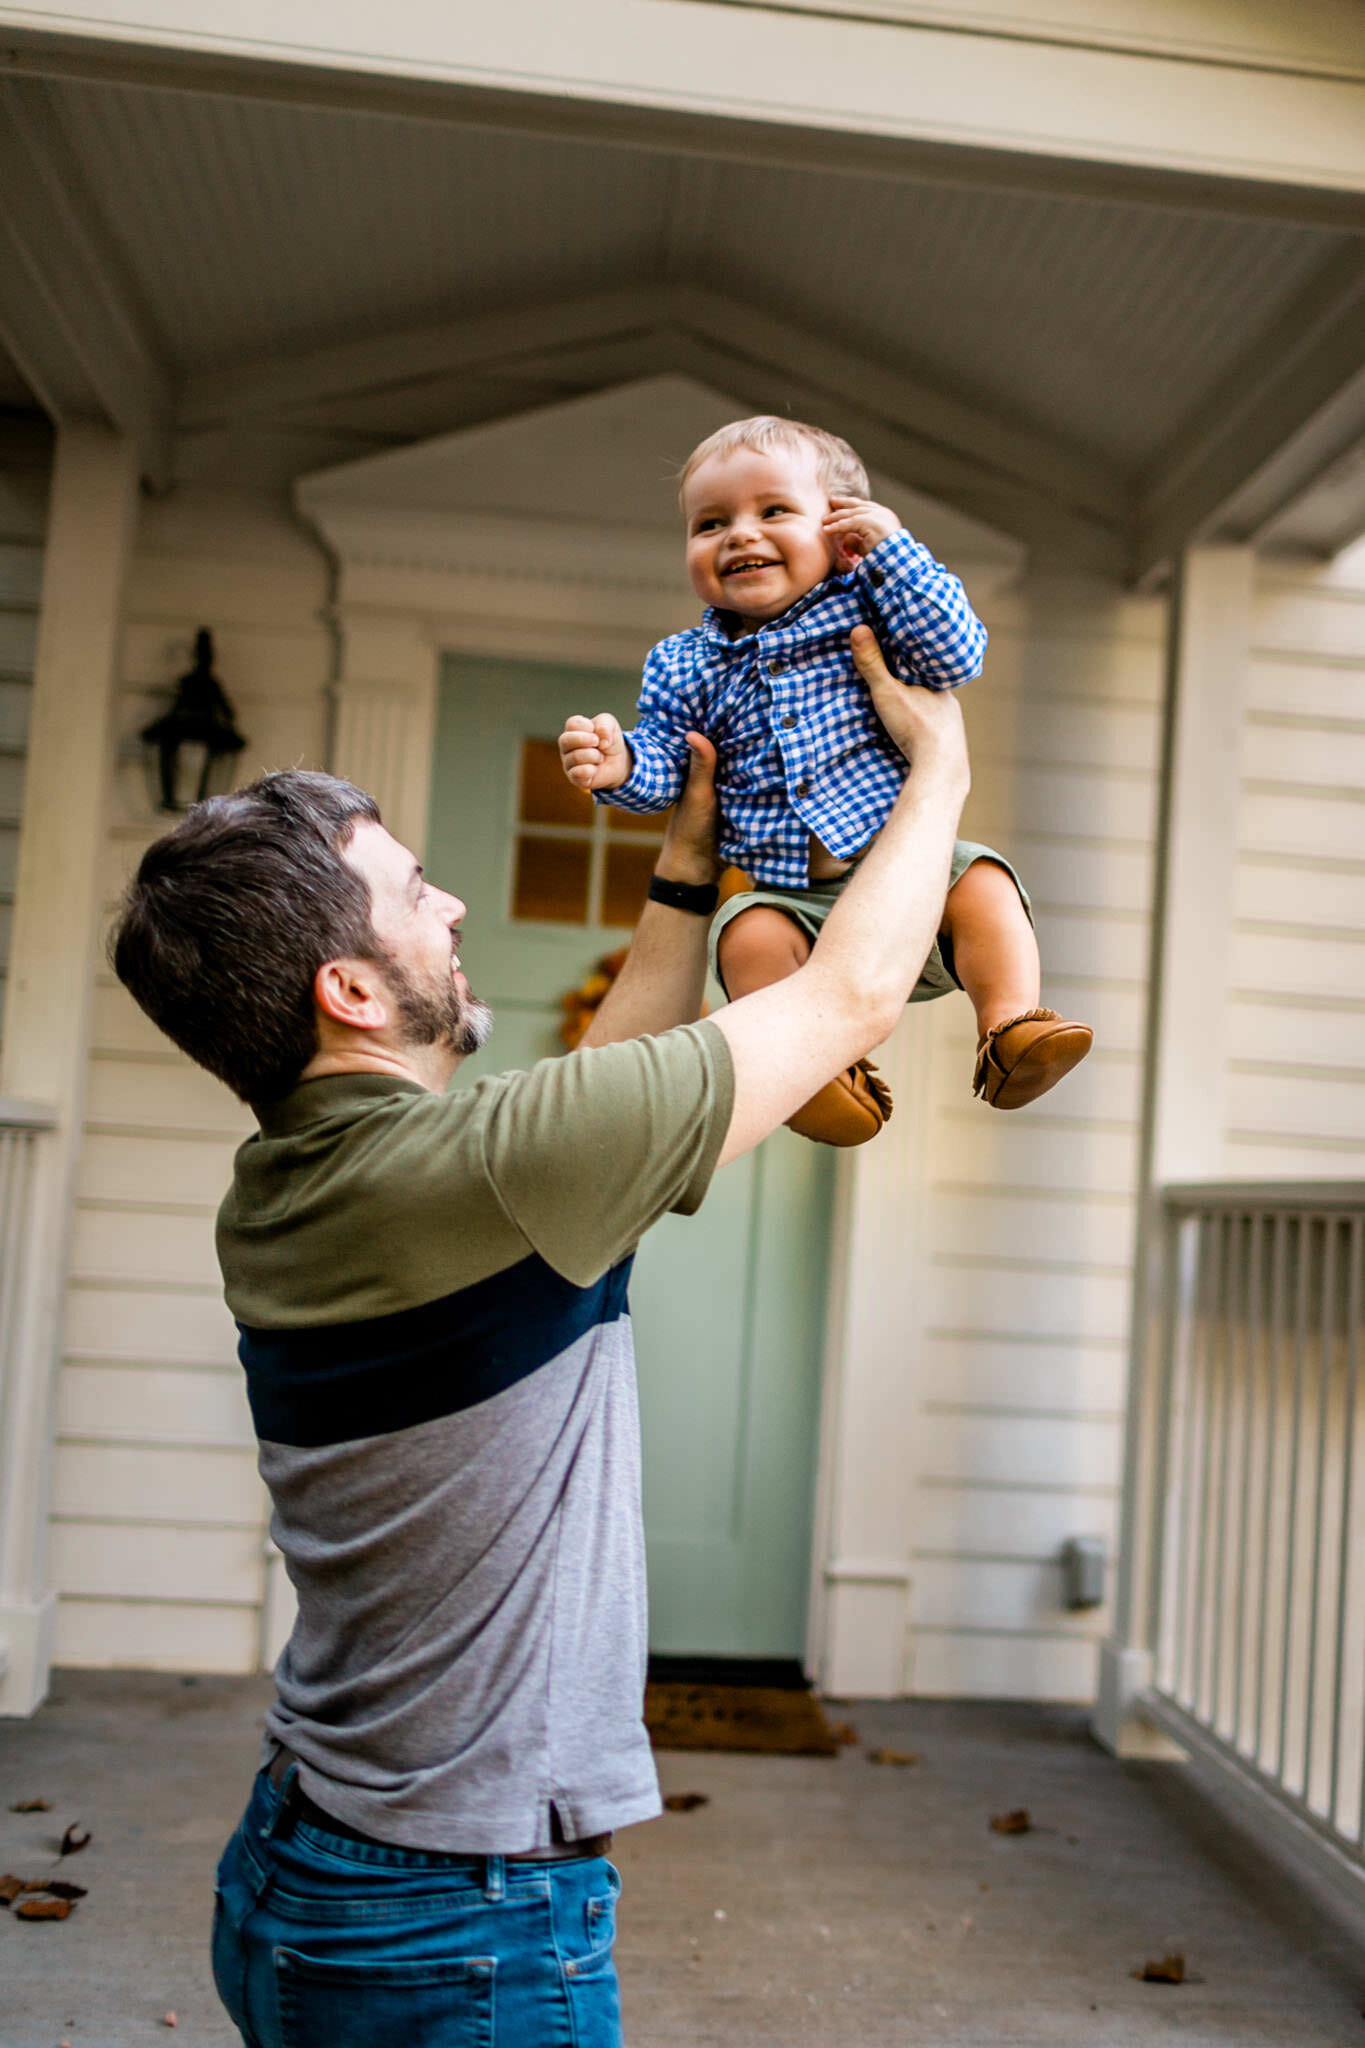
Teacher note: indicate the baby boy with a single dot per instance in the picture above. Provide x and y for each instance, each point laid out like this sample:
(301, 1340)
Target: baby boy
(788, 553)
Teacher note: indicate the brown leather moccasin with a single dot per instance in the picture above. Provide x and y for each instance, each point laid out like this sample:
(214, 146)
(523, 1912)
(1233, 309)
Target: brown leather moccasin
(848, 1110)
(1019, 1061)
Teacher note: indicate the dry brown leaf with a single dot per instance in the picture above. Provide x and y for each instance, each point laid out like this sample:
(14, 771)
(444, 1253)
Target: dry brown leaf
(44, 1907)
(10, 1888)
(845, 1734)
(1019, 1822)
(31, 1806)
(60, 1888)
(686, 1802)
(1169, 1970)
(73, 1839)
(900, 1757)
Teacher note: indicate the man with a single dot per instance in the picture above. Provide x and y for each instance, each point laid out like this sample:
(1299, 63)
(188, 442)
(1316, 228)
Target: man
(431, 1294)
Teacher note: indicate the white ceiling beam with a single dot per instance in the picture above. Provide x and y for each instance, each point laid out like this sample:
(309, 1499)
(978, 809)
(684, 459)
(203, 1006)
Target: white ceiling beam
(976, 101)
(1290, 411)
(65, 314)
(409, 355)
(606, 338)
(1012, 504)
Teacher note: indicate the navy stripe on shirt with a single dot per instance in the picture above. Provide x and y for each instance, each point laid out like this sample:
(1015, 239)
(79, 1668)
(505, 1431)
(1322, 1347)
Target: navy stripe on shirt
(335, 1382)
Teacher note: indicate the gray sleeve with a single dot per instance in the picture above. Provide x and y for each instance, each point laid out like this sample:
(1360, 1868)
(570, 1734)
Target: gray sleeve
(586, 1152)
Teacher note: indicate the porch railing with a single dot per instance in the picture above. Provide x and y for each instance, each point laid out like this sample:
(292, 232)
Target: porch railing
(22, 1125)
(1256, 1581)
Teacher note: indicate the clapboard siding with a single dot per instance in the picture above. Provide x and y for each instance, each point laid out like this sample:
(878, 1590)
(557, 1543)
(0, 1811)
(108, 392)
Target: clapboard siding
(1295, 1035)
(1030, 1217)
(158, 1534)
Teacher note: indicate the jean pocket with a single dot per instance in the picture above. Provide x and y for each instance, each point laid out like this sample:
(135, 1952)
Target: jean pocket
(434, 2003)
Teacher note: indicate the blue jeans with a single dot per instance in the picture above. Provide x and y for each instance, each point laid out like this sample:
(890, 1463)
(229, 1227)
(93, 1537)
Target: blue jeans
(322, 1942)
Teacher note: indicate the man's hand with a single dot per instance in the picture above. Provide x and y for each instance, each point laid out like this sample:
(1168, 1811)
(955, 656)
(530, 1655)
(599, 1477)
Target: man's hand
(922, 722)
(689, 852)
(856, 525)
(593, 752)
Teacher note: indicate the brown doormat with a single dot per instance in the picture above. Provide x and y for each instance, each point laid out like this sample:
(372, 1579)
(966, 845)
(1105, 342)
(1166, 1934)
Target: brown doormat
(756, 1718)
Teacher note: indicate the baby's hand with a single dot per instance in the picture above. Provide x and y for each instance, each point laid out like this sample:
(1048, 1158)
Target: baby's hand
(855, 525)
(594, 753)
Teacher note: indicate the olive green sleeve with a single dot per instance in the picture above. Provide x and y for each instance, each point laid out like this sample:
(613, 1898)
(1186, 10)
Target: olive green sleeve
(586, 1152)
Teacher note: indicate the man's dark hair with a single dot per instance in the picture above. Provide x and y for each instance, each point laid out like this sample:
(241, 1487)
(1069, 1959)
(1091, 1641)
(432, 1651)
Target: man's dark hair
(232, 913)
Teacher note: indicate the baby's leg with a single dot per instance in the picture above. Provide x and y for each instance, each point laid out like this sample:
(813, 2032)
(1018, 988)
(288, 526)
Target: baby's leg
(758, 948)
(995, 954)
(1022, 1050)
(761, 946)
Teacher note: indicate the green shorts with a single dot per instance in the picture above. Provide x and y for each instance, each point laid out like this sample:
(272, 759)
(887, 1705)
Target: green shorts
(809, 907)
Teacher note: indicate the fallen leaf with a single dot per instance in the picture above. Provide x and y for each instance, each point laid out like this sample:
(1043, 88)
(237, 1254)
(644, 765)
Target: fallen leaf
(73, 1840)
(900, 1757)
(42, 1908)
(845, 1734)
(686, 1802)
(31, 1806)
(1019, 1822)
(10, 1888)
(170, 2020)
(1170, 1970)
(60, 1888)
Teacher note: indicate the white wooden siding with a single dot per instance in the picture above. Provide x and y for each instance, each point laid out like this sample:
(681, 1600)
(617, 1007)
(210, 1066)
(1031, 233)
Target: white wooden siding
(1022, 1355)
(1296, 1020)
(158, 1527)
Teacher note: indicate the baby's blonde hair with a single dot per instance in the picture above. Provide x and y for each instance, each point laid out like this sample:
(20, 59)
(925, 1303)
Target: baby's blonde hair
(840, 471)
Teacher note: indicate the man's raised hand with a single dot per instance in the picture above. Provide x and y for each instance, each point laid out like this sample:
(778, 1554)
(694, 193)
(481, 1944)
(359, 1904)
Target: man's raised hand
(923, 723)
(593, 752)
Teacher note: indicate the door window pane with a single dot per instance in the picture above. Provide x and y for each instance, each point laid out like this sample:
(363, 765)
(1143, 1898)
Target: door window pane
(547, 795)
(625, 885)
(552, 879)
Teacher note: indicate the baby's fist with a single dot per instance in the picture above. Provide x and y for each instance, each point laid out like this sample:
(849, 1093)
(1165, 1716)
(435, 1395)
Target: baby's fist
(593, 751)
(856, 526)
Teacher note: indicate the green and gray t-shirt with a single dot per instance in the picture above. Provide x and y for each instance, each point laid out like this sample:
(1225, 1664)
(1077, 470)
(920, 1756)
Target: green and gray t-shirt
(431, 1296)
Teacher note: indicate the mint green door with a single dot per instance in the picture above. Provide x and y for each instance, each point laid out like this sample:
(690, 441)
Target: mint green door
(728, 1304)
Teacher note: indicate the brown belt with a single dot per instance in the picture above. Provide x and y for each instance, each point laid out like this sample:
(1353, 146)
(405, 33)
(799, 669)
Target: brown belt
(553, 1852)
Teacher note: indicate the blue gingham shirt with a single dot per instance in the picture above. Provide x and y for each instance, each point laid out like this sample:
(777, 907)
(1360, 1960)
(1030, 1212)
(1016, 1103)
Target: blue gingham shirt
(801, 748)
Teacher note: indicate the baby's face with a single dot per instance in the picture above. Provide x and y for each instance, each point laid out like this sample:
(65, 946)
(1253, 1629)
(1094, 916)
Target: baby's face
(755, 538)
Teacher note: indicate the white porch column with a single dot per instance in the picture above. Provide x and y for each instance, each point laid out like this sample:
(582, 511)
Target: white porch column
(861, 1590)
(385, 716)
(47, 1012)
(1183, 1097)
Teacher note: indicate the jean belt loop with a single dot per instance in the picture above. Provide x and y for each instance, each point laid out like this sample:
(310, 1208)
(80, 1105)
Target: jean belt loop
(494, 1879)
(283, 1818)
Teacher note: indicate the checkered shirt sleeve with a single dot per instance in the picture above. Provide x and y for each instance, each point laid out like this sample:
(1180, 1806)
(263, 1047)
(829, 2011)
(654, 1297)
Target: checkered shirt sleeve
(928, 623)
(669, 708)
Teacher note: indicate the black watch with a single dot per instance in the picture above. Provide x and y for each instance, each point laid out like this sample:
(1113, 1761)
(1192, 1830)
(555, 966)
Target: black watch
(701, 897)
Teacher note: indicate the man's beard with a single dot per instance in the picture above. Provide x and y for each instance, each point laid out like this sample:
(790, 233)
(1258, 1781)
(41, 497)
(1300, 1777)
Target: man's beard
(447, 1016)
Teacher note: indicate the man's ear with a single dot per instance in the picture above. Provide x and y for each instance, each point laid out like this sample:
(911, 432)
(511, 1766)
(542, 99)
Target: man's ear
(352, 993)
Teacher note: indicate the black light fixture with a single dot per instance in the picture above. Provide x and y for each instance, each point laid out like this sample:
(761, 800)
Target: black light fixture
(201, 716)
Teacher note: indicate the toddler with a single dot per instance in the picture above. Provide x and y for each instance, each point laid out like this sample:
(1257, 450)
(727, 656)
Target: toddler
(788, 553)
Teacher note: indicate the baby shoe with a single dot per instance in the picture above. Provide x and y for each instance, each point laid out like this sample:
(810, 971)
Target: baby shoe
(848, 1110)
(1019, 1061)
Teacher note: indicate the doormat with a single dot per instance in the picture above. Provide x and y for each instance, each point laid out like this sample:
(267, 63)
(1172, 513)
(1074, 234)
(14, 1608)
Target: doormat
(759, 1719)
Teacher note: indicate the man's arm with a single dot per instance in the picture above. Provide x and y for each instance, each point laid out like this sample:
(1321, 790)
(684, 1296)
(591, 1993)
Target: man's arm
(664, 974)
(790, 1039)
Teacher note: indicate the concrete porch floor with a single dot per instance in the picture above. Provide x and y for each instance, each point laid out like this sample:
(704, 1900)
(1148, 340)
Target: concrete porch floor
(828, 1903)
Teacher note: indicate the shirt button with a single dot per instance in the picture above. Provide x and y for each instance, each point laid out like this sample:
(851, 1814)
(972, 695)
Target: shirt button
(788, 722)
(776, 665)
(877, 576)
(803, 789)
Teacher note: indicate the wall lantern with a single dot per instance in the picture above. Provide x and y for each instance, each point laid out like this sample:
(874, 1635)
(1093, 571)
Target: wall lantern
(201, 716)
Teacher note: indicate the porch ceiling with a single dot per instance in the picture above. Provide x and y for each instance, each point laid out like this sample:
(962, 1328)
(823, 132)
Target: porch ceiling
(1103, 342)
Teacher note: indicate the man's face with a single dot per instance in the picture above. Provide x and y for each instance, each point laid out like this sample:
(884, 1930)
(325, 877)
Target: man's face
(755, 542)
(418, 927)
